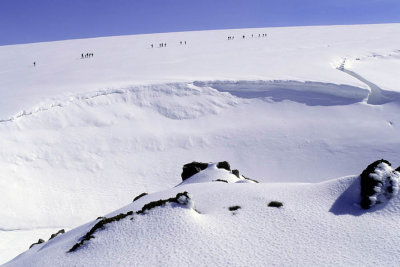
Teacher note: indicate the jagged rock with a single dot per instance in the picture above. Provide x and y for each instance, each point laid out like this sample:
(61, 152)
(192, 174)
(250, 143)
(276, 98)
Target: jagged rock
(379, 182)
(224, 165)
(40, 241)
(236, 173)
(191, 169)
(62, 231)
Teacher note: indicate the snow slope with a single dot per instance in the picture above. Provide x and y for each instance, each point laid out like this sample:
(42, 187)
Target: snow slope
(233, 224)
(81, 137)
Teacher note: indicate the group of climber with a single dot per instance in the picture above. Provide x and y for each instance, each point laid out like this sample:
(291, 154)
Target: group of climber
(165, 44)
(252, 36)
(87, 55)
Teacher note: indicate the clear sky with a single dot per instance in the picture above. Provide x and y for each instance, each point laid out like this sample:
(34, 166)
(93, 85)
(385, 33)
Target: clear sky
(26, 21)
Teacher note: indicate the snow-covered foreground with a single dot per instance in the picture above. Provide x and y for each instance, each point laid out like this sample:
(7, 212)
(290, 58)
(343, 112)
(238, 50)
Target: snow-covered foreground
(81, 137)
(234, 224)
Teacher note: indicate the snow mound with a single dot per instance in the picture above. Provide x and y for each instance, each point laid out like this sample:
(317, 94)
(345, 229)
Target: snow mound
(207, 226)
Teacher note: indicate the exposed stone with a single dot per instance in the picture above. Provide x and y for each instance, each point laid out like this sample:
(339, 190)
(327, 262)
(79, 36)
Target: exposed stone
(62, 231)
(236, 173)
(40, 241)
(379, 182)
(275, 204)
(224, 165)
(192, 168)
(139, 196)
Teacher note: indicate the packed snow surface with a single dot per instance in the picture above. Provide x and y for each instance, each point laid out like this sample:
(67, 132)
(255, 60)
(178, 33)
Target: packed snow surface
(232, 224)
(81, 136)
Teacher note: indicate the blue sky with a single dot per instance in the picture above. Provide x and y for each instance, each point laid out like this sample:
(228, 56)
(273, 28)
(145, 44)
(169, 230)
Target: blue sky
(26, 21)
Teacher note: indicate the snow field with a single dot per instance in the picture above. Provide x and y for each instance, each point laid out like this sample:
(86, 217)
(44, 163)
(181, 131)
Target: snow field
(81, 137)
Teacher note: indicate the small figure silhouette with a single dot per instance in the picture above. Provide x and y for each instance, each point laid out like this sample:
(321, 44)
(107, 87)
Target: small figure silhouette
(34, 63)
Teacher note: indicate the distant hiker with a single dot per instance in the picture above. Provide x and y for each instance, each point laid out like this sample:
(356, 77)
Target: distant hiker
(185, 42)
(244, 36)
(229, 37)
(181, 42)
(252, 36)
(82, 55)
(34, 63)
(165, 45)
(259, 35)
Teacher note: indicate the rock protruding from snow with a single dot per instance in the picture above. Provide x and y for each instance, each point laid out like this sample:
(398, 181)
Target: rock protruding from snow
(214, 172)
(192, 168)
(183, 199)
(379, 183)
(40, 241)
(60, 232)
(224, 165)
(140, 196)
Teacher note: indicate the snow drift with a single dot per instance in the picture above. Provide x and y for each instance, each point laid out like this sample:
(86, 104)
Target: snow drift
(232, 224)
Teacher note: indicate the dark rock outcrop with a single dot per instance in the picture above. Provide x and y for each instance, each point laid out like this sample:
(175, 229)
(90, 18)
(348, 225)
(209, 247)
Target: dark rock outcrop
(220, 180)
(181, 198)
(224, 165)
(139, 196)
(233, 208)
(275, 204)
(62, 231)
(378, 182)
(191, 169)
(236, 173)
(40, 241)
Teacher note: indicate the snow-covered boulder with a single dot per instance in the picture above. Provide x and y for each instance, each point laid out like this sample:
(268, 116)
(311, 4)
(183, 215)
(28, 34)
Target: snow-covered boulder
(379, 183)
